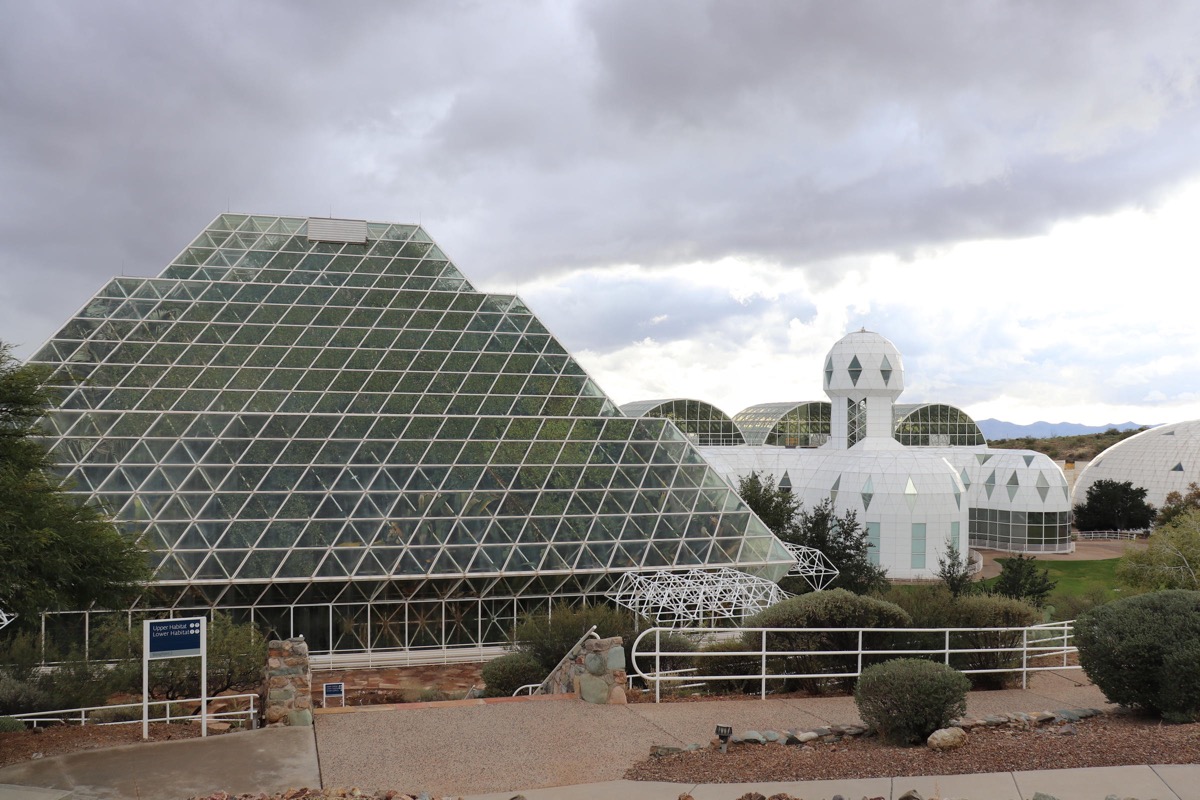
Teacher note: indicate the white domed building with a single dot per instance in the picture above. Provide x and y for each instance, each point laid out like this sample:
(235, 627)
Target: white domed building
(1161, 460)
(918, 477)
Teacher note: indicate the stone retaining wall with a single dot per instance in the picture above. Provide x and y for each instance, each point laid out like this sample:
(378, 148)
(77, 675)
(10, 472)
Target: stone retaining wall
(595, 670)
(288, 679)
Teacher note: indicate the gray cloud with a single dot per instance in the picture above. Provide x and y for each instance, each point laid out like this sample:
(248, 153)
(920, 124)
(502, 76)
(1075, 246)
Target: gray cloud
(538, 138)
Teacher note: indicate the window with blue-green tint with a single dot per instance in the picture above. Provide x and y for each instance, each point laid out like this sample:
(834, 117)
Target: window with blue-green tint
(873, 542)
(918, 546)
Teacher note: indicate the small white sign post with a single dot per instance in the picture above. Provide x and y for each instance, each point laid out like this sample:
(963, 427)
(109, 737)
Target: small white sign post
(174, 638)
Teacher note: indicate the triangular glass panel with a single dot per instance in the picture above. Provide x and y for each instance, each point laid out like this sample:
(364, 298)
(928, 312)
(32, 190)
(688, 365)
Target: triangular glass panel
(868, 492)
(855, 370)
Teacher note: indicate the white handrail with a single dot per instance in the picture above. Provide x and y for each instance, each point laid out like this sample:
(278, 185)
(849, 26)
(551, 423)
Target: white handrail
(1046, 640)
(60, 716)
(540, 688)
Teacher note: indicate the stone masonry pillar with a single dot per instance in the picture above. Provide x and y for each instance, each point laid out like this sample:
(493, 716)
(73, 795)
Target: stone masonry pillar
(288, 691)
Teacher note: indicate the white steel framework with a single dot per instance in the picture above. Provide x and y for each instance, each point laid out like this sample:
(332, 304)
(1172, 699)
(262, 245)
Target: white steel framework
(812, 565)
(695, 596)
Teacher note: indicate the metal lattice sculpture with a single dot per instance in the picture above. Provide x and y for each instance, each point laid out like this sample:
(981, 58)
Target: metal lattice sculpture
(6, 618)
(696, 596)
(812, 565)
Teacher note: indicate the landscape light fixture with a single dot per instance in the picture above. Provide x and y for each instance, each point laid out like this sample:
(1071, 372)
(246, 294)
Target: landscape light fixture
(723, 733)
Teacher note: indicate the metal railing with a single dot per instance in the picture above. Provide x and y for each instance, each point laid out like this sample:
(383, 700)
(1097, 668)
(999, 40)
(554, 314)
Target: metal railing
(540, 688)
(1013, 650)
(403, 658)
(88, 715)
(1127, 535)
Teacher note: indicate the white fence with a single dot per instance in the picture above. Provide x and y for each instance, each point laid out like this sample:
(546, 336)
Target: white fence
(103, 715)
(403, 658)
(1132, 534)
(768, 654)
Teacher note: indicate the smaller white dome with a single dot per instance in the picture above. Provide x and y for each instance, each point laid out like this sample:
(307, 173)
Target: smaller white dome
(863, 364)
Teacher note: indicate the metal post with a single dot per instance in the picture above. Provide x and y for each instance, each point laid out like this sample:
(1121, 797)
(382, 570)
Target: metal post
(657, 665)
(1025, 658)
(947, 646)
(860, 650)
(763, 666)
(145, 679)
(203, 676)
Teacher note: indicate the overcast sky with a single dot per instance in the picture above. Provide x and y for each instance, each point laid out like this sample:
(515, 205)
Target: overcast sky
(699, 198)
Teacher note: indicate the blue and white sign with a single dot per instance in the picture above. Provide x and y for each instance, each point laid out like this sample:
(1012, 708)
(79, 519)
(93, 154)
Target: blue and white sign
(174, 638)
(337, 690)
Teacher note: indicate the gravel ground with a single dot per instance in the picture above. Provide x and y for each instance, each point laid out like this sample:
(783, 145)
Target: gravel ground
(1115, 740)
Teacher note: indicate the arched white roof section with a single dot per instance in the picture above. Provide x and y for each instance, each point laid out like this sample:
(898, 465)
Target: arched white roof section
(789, 424)
(935, 425)
(1161, 460)
(701, 422)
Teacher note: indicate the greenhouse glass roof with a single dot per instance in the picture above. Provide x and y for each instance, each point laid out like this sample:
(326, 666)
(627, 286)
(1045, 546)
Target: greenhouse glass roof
(278, 410)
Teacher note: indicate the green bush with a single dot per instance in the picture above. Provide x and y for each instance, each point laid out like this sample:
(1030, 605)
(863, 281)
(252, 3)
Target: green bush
(834, 608)
(105, 715)
(506, 674)
(21, 697)
(10, 725)
(1144, 652)
(548, 638)
(729, 665)
(935, 607)
(907, 699)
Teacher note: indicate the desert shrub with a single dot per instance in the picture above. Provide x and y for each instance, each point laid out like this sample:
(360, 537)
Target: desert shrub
(506, 674)
(10, 725)
(984, 611)
(437, 695)
(834, 608)
(1144, 652)
(935, 607)
(927, 606)
(21, 697)
(1073, 606)
(101, 716)
(729, 665)
(547, 638)
(907, 699)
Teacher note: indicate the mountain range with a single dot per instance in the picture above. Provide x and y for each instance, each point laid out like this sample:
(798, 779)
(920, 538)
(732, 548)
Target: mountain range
(999, 429)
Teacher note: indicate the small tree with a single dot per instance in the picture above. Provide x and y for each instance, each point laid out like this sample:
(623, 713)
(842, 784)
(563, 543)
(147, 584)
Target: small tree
(842, 539)
(1020, 579)
(56, 552)
(954, 570)
(1176, 504)
(1114, 506)
(775, 506)
(844, 542)
(1171, 559)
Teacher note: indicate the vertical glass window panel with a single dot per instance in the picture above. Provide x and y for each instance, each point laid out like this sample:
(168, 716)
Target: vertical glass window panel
(873, 541)
(918, 545)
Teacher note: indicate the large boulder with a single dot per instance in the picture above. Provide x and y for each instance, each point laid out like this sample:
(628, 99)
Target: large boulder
(947, 739)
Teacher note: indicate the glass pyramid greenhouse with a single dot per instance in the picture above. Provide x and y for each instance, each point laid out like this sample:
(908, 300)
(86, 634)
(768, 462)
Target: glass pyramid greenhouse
(322, 425)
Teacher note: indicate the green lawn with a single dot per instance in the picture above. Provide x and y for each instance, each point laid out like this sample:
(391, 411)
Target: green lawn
(1077, 579)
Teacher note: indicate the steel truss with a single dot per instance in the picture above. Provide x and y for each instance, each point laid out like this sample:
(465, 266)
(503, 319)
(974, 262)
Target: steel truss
(812, 565)
(694, 596)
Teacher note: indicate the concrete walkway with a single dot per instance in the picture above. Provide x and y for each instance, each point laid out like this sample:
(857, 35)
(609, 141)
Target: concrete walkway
(544, 748)
(473, 748)
(271, 759)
